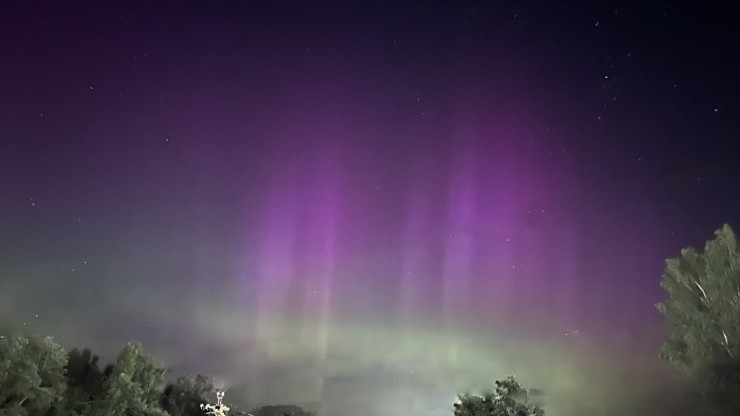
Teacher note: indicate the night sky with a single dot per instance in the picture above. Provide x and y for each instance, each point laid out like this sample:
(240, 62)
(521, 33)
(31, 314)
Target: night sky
(367, 206)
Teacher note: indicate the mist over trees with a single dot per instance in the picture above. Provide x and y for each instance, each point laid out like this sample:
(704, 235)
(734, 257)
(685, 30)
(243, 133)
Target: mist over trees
(703, 311)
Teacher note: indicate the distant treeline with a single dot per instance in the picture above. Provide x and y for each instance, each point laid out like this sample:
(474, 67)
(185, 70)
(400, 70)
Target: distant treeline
(39, 378)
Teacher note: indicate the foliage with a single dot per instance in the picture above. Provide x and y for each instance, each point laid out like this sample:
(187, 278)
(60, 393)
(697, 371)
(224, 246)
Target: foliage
(38, 378)
(33, 381)
(31, 374)
(184, 397)
(134, 385)
(85, 381)
(702, 308)
(509, 399)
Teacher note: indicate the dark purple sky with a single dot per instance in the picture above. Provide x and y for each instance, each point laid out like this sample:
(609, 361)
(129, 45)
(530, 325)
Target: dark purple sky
(358, 204)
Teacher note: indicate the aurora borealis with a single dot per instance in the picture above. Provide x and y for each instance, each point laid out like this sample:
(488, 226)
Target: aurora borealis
(364, 207)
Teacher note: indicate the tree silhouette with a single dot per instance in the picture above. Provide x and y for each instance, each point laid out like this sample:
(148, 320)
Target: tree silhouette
(184, 397)
(280, 410)
(509, 399)
(84, 377)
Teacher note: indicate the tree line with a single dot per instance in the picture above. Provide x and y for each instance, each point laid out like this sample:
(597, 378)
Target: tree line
(39, 378)
(702, 310)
